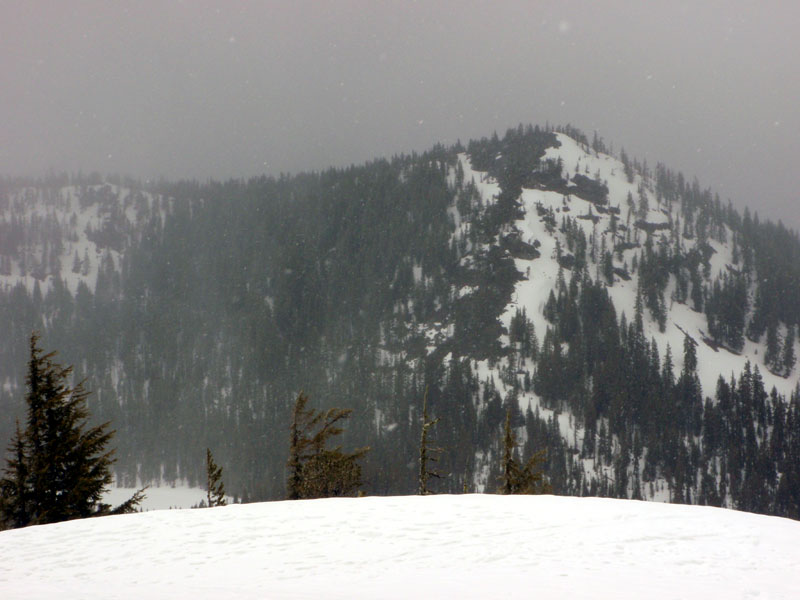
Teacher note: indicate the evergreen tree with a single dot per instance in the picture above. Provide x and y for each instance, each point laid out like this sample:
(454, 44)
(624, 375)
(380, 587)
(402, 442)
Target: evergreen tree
(425, 450)
(788, 358)
(14, 493)
(772, 356)
(518, 478)
(60, 465)
(314, 470)
(215, 488)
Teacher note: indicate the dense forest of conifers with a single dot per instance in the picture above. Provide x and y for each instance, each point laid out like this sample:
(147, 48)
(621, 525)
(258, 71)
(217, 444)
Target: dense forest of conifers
(225, 299)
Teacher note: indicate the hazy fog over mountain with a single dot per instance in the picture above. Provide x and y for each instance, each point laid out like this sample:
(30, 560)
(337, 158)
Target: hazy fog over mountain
(217, 89)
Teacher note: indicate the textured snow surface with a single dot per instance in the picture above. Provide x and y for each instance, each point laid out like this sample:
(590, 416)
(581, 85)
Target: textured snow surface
(471, 546)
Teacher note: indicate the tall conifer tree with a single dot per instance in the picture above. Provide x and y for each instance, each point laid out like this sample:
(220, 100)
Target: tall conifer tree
(59, 465)
(215, 488)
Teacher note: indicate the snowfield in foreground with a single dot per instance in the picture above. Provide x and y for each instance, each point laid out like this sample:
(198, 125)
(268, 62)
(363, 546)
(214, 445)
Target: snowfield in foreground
(471, 546)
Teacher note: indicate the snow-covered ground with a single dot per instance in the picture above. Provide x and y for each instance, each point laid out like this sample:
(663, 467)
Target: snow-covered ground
(471, 546)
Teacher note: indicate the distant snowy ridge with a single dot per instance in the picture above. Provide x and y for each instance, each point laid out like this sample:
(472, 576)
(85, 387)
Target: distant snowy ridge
(469, 546)
(72, 233)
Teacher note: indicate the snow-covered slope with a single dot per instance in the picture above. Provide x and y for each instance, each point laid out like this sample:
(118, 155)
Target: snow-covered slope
(70, 233)
(471, 546)
(625, 239)
(541, 272)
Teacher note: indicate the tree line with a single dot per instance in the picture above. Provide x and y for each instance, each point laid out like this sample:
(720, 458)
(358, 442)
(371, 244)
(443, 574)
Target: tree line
(58, 466)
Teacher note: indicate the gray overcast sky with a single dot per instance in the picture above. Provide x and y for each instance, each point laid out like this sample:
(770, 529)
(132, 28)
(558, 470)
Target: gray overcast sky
(221, 89)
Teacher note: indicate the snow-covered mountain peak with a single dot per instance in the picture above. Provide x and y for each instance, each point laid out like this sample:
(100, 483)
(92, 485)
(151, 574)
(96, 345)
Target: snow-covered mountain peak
(623, 228)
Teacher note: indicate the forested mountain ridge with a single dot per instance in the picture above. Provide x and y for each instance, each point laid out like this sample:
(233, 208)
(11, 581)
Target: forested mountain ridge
(600, 299)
